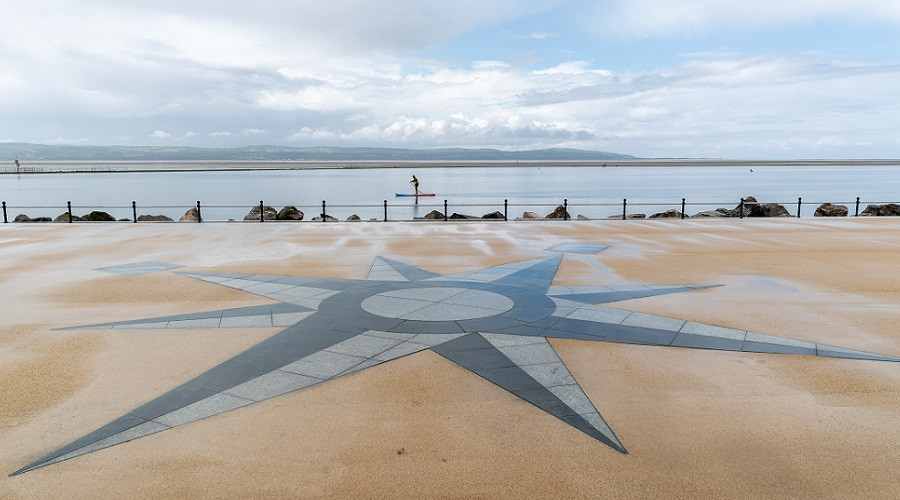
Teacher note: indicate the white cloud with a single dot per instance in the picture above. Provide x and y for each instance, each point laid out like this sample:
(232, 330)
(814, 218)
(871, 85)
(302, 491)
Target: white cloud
(216, 135)
(650, 18)
(160, 134)
(253, 131)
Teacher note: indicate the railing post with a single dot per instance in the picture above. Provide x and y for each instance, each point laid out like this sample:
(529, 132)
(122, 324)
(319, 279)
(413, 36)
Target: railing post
(199, 217)
(134, 210)
(856, 215)
(505, 209)
(742, 208)
(565, 209)
(385, 210)
(323, 210)
(445, 209)
(261, 212)
(624, 207)
(4, 213)
(69, 210)
(799, 202)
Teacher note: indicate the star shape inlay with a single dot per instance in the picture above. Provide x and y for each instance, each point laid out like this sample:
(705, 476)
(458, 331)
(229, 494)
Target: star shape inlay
(494, 322)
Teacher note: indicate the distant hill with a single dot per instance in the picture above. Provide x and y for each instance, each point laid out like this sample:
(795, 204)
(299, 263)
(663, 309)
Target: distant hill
(42, 152)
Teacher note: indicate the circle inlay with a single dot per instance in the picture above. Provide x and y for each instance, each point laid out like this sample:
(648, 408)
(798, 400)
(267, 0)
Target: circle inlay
(437, 304)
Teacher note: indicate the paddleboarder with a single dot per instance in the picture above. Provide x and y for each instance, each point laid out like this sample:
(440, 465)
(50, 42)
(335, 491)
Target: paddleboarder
(415, 183)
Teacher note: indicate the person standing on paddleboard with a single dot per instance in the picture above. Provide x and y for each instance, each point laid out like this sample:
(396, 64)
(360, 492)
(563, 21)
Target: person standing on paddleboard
(415, 183)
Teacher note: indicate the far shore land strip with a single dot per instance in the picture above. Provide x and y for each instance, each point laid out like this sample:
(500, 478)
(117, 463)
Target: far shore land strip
(44, 167)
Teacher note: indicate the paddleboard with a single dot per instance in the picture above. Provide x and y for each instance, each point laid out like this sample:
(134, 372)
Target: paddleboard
(420, 194)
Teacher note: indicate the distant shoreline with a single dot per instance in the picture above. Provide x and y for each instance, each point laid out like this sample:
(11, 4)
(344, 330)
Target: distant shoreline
(47, 167)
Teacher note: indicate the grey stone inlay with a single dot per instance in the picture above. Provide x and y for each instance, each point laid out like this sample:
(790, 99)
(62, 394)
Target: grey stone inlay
(204, 408)
(575, 247)
(437, 304)
(382, 271)
(259, 321)
(599, 314)
(713, 331)
(769, 339)
(324, 364)
(274, 383)
(334, 327)
(288, 319)
(652, 321)
(195, 323)
(131, 434)
(135, 268)
(364, 346)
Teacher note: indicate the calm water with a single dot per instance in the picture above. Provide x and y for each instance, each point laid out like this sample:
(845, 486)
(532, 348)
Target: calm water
(592, 191)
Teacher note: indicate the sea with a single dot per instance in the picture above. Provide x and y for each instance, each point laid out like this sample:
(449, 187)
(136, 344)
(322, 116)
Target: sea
(592, 191)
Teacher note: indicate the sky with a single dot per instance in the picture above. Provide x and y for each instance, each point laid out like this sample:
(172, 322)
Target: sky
(757, 79)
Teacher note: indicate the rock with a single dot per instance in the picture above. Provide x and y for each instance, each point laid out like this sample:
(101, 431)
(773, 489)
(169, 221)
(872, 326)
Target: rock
(154, 218)
(496, 214)
(456, 216)
(890, 209)
(353, 218)
(98, 216)
(287, 213)
(752, 208)
(22, 218)
(775, 210)
(42, 219)
(581, 217)
(434, 215)
(719, 212)
(628, 216)
(64, 217)
(531, 215)
(319, 218)
(192, 215)
(668, 214)
(829, 210)
(269, 213)
(559, 213)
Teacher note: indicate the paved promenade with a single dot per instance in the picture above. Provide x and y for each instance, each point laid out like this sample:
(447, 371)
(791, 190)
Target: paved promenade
(725, 358)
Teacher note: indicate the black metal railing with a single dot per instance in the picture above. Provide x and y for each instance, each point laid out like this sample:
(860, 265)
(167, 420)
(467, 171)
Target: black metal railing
(386, 211)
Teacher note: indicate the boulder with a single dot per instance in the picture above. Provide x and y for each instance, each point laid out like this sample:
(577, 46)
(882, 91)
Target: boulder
(581, 217)
(496, 214)
(890, 209)
(269, 213)
(98, 216)
(752, 208)
(154, 218)
(829, 210)
(192, 215)
(64, 217)
(42, 219)
(559, 213)
(531, 215)
(22, 218)
(320, 218)
(456, 216)
(287, 213)
(668, 214)
(719, 212)
(353, 218)
(628, 216)
(434, 215)
(775, 210)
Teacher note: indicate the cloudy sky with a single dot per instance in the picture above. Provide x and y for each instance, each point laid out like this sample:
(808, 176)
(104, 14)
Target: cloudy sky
(653, 78)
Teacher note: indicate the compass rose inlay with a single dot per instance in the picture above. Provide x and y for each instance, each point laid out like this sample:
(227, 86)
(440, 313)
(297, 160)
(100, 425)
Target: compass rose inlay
(494, 322)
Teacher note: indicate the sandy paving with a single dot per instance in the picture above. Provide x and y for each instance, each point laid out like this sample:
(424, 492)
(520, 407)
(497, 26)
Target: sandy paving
(696, 423)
